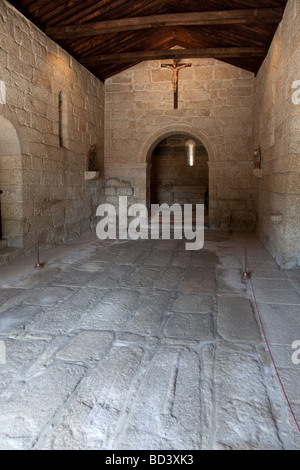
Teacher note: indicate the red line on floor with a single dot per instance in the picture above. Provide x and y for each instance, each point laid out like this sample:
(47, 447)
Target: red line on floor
(273, 361)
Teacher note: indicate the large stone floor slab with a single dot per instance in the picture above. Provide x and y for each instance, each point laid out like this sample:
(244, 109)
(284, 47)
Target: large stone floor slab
(236, 320)
(131, 345)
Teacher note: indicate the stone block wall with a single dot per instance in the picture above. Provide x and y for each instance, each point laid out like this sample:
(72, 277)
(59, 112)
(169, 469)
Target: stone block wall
(52, 110)
(215, 107)
(277, 131)
(56, 110)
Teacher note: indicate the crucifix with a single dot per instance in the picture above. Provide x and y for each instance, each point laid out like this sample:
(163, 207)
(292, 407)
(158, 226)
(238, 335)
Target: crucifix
(175, 68)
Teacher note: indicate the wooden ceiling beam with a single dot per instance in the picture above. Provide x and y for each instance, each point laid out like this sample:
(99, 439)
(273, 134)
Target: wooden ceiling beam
(207, 18)
(216, 53)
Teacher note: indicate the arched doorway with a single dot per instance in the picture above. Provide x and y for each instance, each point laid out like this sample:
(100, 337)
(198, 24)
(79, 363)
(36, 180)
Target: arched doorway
(179, 172)
(145, 156)
(11, 185)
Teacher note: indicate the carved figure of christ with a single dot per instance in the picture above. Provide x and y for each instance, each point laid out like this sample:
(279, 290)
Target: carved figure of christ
(175, 68)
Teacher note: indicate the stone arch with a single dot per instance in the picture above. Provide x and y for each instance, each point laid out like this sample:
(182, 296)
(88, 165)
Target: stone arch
(183, 129)
(167, 131)
(11, 184)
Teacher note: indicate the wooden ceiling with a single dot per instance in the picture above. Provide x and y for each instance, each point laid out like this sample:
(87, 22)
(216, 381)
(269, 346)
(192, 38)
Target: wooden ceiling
(109, 36)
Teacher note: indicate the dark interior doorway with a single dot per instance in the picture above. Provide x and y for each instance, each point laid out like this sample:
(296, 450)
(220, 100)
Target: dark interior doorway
(175, 177)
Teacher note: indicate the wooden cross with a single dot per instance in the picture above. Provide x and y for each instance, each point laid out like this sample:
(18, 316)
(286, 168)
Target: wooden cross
(175, 68)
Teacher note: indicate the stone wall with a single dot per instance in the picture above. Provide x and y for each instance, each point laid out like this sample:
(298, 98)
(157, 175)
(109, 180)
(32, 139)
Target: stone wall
(52, 112)
(215, 107)
(277, 132)
(54, 108)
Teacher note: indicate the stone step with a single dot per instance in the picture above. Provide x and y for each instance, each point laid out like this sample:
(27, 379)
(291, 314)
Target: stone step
(3, 243)
(8, 254)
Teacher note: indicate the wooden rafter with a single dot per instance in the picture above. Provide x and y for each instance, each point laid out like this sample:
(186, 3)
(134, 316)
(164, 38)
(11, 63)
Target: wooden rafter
(208, 18)
(104, 34)
(216, 53)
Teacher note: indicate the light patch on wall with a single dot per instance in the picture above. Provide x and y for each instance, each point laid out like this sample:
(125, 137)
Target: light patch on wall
(190, 146)
(2, 93)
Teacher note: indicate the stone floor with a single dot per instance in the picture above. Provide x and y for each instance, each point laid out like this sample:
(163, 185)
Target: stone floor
(143, 345)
